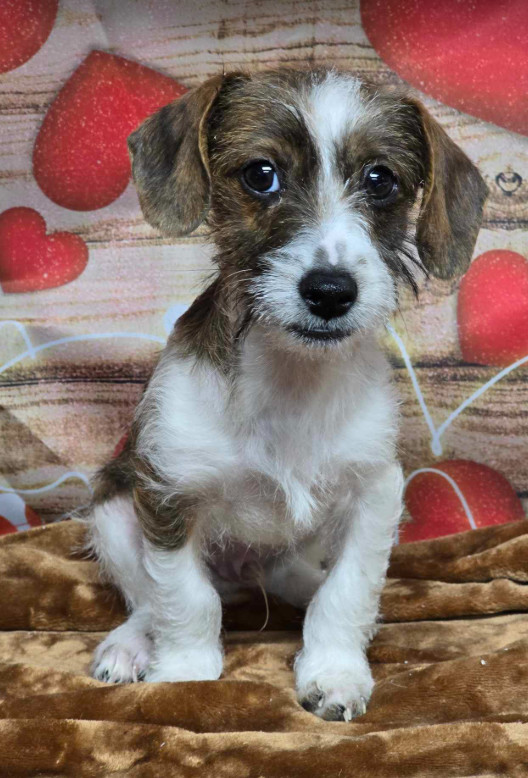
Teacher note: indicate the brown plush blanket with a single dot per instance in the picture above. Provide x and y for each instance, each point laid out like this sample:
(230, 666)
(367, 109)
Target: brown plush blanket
(450, 660)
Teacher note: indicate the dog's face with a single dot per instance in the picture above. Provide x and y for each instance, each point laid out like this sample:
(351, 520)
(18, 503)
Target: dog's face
(308, 181)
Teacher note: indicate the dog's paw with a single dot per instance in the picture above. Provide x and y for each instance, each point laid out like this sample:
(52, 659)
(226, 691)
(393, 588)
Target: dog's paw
(197, 664)
(335, 692)
(117, 661)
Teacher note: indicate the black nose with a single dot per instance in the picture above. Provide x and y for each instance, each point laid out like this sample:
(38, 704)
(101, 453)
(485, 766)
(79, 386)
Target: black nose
(328, 294)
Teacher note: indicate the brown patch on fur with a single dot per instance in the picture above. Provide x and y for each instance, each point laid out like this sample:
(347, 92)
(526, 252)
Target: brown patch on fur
(116, 477)
(453, 199)
(406, 138)
(165, 522)
(246, 125)
(168, 163)
(390, 135)
(204, 331)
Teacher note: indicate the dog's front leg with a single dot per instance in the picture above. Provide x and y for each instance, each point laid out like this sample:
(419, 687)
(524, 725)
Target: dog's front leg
(333, 677)
(186, 615)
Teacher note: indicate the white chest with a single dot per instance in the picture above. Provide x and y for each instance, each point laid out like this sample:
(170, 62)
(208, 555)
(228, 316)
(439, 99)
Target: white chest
(269, 452)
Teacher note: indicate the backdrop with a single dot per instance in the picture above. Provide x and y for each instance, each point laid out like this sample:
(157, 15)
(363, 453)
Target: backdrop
(89, 291)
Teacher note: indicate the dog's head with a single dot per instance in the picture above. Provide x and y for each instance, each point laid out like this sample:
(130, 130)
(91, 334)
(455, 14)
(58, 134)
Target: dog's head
(308, 181)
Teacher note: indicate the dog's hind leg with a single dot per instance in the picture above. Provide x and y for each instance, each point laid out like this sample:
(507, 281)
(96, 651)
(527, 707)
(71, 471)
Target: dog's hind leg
(294, 578)
(125, 654)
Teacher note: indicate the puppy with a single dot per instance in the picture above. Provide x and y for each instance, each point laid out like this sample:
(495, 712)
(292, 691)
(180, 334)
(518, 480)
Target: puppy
(269, 422)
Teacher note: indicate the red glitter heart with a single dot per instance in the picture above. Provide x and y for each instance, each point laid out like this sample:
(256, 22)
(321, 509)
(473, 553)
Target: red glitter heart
(470, 55)
(24, 27)
(493, 309)
(31, 260)
(80, 160)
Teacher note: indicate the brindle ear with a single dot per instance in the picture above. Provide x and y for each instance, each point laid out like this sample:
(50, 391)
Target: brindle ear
(451, 211)
(169, 161)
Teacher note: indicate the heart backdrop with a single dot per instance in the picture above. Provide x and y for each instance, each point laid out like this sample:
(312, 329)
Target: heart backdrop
(24, 27)
(80, 160)
(493, 309)
(469, 55)
(436, 509)
(31, 260)
(15, 515)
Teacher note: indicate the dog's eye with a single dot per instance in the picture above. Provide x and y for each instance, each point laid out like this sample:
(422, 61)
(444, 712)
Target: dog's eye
(261, 177)
(380, 182)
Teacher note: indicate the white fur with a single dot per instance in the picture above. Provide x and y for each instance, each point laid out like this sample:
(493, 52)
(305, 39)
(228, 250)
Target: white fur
(299, 448)
(332, 109)
(338, 626)
(125, 654)
(186, 616)
(276, 289)
(117, 541)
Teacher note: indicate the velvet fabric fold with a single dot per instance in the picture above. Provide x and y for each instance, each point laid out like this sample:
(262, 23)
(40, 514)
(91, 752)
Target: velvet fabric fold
(450, 662)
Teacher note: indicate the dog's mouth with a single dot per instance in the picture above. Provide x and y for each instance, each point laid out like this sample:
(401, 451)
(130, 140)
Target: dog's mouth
(318, 335)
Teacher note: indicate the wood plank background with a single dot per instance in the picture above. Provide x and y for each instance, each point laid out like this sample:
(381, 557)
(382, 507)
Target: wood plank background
(66, 409)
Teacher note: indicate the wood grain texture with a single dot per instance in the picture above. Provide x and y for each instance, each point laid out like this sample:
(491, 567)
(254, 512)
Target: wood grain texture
(76, 421)
(130, 288)
(67, 408)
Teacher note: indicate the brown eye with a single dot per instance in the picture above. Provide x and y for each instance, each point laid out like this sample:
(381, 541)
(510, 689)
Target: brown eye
(380, 183)
(261, 177)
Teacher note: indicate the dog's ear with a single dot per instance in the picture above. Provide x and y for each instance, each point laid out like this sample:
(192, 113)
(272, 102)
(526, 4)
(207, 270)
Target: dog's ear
(169, 161)
(451, 210)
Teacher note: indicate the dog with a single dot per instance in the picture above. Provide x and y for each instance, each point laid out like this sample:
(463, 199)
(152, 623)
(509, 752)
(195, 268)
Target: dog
(269, 423)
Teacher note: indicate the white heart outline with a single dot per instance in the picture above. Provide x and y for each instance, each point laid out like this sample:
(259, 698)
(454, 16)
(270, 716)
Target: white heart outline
(15, 513)
(452, 482)
(437, 432)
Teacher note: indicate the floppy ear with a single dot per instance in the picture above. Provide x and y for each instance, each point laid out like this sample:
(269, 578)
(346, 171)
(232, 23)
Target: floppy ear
(451, 211)
(169, 161)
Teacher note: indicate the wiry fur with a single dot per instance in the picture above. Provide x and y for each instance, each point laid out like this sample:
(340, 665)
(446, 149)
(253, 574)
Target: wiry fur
(251, 433)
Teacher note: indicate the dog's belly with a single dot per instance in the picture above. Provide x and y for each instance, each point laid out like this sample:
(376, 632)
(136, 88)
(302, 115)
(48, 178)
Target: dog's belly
(239, 563)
